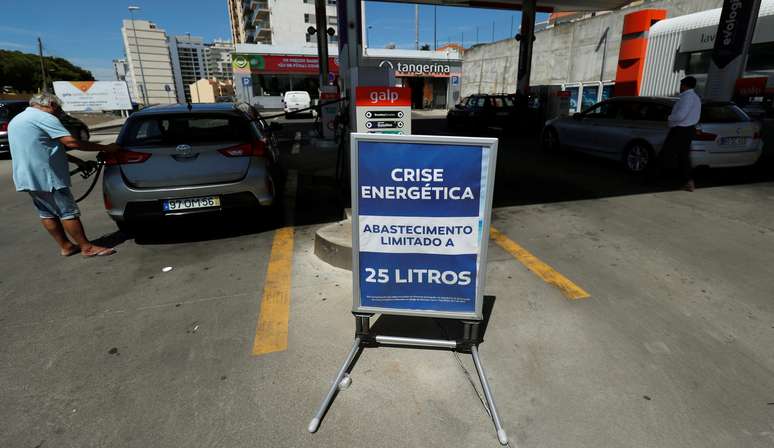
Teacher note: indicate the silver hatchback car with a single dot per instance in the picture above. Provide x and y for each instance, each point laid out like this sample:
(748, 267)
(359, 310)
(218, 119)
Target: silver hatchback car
(633, 130)
(176, 161)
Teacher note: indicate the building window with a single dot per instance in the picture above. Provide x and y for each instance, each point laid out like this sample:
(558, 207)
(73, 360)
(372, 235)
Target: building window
(310, 18)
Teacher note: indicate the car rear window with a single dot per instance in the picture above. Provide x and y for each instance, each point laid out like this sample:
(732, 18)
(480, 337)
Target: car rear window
(189, 129)
(722, 113)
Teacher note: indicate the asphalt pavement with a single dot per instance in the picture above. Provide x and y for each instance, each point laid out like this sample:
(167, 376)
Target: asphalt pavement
(156, 346)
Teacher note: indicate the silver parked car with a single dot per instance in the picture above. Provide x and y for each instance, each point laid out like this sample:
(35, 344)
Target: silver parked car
(177, 160)
(633, 130)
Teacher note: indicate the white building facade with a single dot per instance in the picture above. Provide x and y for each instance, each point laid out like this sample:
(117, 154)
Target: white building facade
(150, 66)
(277, 22)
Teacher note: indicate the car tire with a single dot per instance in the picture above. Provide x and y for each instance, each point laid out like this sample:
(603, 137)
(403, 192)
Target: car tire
(83, 135)
(549, 140)
(638, 157)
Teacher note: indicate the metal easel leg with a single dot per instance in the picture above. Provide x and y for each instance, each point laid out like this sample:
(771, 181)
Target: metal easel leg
(315, 423)
(501, 435)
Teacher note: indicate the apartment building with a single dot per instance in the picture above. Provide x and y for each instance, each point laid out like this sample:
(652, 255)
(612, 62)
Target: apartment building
(189, 63)
(219, 60)
(277, 22)
(151, 78)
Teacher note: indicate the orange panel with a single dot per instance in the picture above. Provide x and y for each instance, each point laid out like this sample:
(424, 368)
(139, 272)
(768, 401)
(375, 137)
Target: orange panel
(632, 49)
(631, 56)
(641, 21)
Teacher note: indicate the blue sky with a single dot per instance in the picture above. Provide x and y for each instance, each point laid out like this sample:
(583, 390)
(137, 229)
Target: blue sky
(88, 32)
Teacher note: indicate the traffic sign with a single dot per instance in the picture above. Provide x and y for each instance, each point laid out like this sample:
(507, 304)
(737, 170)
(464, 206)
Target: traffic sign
(167, 88)
(421, 210)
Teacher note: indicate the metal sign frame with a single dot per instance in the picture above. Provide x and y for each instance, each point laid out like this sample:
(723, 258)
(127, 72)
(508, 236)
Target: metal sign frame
(487, 183)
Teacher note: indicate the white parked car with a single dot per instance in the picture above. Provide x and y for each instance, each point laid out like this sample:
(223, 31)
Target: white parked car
(297, 100)
(633, 130)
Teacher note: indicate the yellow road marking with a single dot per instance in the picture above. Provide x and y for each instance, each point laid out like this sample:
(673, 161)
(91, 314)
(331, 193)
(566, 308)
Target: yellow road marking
(542, 270)
(271, 333)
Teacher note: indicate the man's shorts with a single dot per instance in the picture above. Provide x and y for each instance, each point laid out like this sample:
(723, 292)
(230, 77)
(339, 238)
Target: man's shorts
(55, 204)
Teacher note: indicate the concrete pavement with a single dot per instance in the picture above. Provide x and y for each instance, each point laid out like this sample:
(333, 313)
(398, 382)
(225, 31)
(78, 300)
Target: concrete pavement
(674, 348)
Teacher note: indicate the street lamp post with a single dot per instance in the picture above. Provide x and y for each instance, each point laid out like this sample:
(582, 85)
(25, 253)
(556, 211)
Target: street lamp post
(132, 9)
(368, 35)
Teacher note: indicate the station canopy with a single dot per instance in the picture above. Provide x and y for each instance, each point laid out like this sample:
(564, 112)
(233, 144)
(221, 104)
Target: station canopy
(542, 5)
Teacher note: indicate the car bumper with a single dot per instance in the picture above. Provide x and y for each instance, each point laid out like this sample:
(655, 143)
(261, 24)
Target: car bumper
(725, 159)
(124, 202)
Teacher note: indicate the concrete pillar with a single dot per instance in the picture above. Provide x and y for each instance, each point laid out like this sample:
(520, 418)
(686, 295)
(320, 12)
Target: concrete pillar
(732, 43)
(527, 34)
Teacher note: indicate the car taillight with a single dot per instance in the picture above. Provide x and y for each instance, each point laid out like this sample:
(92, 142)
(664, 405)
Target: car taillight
(253, 149)
(704, 136)
(124, 157)
(3, 127)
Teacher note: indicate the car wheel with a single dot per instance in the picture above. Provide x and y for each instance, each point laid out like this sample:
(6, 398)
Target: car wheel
(550, 140)
(638, 157)
(83, 135)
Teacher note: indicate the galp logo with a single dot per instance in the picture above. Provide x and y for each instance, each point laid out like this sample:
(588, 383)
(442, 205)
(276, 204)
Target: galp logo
(384, 96)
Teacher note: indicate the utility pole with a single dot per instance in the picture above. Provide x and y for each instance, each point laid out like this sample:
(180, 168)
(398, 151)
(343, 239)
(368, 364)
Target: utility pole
(42, 66)
(476, 33)
(143, 88)
(493, 23)
(322, 39)
(416, 24)
(513, 17)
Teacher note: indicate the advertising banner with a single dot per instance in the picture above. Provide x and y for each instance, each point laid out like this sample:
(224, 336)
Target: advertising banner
(421, 211)
(277, 64)
(88, 96)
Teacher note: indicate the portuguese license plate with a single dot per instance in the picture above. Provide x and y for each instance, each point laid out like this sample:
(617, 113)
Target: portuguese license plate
(172, 205)
(733, 141)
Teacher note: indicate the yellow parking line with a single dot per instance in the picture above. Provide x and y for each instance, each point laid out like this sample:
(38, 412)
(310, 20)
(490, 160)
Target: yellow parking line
(542, 270)
(271, 333)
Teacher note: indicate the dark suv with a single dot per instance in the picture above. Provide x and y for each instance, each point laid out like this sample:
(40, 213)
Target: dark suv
(11, 108)
(478, 112)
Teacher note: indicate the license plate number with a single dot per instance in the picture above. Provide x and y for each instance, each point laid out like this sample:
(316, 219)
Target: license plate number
(172, 205)
(733, 140)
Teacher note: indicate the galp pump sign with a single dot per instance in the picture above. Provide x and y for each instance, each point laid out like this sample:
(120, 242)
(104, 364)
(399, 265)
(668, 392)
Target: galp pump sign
(383, 110)
(421, 208)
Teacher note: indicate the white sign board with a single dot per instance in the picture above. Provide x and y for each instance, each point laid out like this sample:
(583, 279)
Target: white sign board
(93, 96)
(383, 110)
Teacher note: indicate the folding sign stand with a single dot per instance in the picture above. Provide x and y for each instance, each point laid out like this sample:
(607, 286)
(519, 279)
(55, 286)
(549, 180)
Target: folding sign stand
(364, 338)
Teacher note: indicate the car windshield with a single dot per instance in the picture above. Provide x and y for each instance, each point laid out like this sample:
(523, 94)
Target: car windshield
(178, 129)
(722, 113)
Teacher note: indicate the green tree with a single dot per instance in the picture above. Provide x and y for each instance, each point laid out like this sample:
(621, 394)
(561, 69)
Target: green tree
(21, 71)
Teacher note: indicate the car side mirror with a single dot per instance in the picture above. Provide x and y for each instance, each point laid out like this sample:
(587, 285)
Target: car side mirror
(274, 126)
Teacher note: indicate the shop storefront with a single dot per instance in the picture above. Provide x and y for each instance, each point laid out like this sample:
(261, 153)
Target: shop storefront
(263, 73)
(434, 77)
(262, 79)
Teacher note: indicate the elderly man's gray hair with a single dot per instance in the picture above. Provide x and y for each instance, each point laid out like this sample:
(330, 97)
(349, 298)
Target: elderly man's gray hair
(45, 99)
